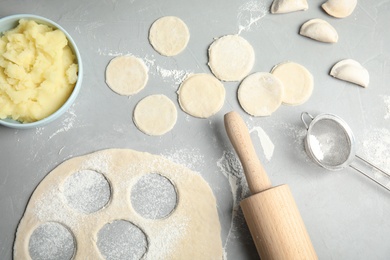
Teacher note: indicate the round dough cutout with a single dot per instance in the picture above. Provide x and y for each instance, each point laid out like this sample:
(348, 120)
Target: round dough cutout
(260, 94)
(122, 239)
(201, 95)
(155, 115)
(126, 75)
(153, 196)
(51, 240)
(169, 35)
(231, 58)
(297, 82)
(87, 191)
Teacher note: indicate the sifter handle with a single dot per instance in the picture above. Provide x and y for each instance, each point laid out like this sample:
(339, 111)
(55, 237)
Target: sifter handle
(238, 134)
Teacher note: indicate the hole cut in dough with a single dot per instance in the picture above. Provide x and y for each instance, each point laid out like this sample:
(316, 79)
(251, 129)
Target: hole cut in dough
(288, 6)
(339, 8)
(153, 196)
(201, 95)
(122, 239)
(126, 75)
(191, 231)
(169, 35)
(231, 58)
(297, 82)
(155, 115)
(51, 240)
(260, 94)
(87, 191)
(352, 71)
(319, 30)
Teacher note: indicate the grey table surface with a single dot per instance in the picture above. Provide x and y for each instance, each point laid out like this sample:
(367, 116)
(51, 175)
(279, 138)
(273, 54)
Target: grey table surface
(346, 215)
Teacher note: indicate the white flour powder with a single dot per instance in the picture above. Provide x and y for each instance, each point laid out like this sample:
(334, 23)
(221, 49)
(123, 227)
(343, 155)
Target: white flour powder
(386, 99)
(376, 149)
(174, 75)
(231, 168)
(250, 13)
(265, 141)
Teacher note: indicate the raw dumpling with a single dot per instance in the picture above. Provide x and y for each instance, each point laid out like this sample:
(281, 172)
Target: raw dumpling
(288, 6)
(351, 71)
(319, 30)
(339, 8)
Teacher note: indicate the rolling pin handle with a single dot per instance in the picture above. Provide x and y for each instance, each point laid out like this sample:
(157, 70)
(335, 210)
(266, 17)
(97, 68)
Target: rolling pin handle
(238, 134)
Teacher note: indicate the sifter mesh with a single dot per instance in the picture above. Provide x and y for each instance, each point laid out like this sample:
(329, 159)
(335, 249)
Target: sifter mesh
(329, 142)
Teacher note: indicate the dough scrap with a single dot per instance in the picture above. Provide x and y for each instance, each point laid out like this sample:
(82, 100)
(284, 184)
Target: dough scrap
(126, 75)
(231, 58)
(191, 231)
(201, 95)
(352, 71)
(297, 81)
(260, 94)
(288, 6)
(339, 8)
(320, 30)
(155, 115)
(169, 35)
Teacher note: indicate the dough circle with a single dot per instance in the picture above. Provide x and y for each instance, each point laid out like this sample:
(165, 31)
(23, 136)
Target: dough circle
(201, 95)
(260, 94)
(169, 35)
(155, 115)
(191, 231)
(126, 75)
(297, 81)
(231, 58)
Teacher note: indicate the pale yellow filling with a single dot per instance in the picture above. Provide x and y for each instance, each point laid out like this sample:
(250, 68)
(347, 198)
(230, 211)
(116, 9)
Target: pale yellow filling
(38, 71)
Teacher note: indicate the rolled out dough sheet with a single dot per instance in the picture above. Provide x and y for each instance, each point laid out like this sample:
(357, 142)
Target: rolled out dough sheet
(191, 231)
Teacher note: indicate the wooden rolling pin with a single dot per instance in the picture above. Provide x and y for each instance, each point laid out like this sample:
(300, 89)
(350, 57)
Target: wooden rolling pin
(271, 213)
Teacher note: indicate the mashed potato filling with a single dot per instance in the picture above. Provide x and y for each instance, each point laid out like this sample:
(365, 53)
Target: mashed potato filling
(38, 71)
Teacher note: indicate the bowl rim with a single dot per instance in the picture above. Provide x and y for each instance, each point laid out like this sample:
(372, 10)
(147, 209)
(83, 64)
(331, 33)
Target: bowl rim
(76, 89)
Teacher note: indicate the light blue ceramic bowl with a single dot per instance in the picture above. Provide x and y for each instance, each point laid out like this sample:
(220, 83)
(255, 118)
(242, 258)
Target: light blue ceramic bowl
(10, 22)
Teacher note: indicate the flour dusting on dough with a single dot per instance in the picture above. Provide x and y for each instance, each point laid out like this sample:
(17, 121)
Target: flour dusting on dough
(191, 158)
(250, 13)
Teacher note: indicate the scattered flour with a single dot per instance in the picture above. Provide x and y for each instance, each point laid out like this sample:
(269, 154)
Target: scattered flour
(265, 141)
(231, 168)
(297, 134)
(250, 13)
(51, 241)
(376, 149)
(87, 191)
(153, 196)
(176, 75)
(108, 52)
(386, 99)
(67, 123)
(191, 158)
